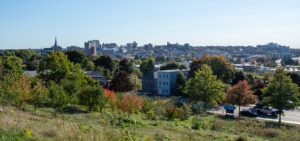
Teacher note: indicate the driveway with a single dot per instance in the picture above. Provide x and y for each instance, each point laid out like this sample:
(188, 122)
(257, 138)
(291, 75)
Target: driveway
(290, 116)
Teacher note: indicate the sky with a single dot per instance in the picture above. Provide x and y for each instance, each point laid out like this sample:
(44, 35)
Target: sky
(35, 23)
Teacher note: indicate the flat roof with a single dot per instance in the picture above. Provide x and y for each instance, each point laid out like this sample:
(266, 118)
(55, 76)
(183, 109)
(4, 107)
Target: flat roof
(176, 70)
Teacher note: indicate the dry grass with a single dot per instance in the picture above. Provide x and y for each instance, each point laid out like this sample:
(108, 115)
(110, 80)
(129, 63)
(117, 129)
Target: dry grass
(46, 124)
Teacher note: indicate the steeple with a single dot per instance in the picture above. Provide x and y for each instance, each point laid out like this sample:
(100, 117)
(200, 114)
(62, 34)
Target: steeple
(55, 44)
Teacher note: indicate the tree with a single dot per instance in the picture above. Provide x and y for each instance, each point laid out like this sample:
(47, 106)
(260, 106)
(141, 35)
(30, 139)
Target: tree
(57, 95)
(131, 104)
(125, 65)
(288, 61)
(54, 67)
(170, 66)
(148, 65)
(15, 89)
(238, 76)
(281, 93)
(220, 66)
(240, 94)
(181, 85)
(11, 65)
(121, 82)
(135, 82)
(106, 62)
(32, 63)
(92, 97)
(205, 87)
(39, 94)
(75, 56)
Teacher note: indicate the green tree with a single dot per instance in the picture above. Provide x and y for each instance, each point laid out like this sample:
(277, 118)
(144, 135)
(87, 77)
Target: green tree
(181, 85)
(135, 82)
(241, 95)
(11, 65)
(75, 56)
(281, 93)
(106, 62)
(220, 66)
(57, 95)
(39, 95)
(125, 65)
(238, 76)
(148, 65)
(205, 87)
(121, 82)
(55, 67)
(170, 66)
(33, 62)
(92, 97)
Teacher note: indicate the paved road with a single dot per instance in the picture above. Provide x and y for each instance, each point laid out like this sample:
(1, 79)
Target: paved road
(291, 116)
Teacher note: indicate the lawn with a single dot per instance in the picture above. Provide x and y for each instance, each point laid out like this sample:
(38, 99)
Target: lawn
(48, 124)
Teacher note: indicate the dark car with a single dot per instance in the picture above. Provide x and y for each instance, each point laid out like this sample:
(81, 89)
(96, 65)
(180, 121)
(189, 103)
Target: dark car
(249, 113)
(264, 110)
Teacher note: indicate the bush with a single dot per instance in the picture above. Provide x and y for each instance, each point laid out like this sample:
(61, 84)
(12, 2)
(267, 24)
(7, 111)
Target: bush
(131, 104)
(183, 112)
(92, 97)
(242, 138)
(271, 133)
(148, 105)
(196, 124)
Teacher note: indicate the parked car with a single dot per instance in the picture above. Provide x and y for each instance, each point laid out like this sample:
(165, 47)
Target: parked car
(261, 109)
(249, 112)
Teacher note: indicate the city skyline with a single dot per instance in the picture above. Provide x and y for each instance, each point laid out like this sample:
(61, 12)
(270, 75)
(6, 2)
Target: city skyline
(35, 24)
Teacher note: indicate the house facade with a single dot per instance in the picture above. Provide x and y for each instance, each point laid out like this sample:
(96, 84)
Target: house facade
(166, 81)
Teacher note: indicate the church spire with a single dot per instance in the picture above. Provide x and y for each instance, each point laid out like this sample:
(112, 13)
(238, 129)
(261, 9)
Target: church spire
(55, 44)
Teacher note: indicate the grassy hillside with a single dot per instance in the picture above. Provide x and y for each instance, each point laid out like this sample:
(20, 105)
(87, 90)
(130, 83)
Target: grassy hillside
(48, 124)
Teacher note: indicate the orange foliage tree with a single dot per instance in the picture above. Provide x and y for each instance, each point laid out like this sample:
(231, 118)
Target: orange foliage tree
(131, 104)
(240, 94)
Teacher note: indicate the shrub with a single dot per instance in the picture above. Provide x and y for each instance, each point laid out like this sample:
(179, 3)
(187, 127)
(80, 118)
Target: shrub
(196, 124)
(92, 97)
(148, 105)
(183, 112)
(271, 133)
(131, 104)
(170, 113)
(242, 138)
(112, 98)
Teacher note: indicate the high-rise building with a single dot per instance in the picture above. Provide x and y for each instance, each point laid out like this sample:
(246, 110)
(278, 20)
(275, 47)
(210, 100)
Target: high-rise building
(90, 47)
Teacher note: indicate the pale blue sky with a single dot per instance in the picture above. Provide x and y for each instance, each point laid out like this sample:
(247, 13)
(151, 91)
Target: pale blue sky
(35, 23)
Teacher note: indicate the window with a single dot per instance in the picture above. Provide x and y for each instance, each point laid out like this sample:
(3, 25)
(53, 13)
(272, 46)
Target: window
(159, 83)
(159, 76)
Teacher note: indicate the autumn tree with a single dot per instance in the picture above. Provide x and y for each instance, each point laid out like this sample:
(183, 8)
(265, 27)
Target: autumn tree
(281, 93)
(221, 67)
(15, 90)
(131, 104)
(205, 87)
(240, 94)
(180, 85)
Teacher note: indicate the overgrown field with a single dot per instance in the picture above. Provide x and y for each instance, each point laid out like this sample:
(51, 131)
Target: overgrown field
(70, 124)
